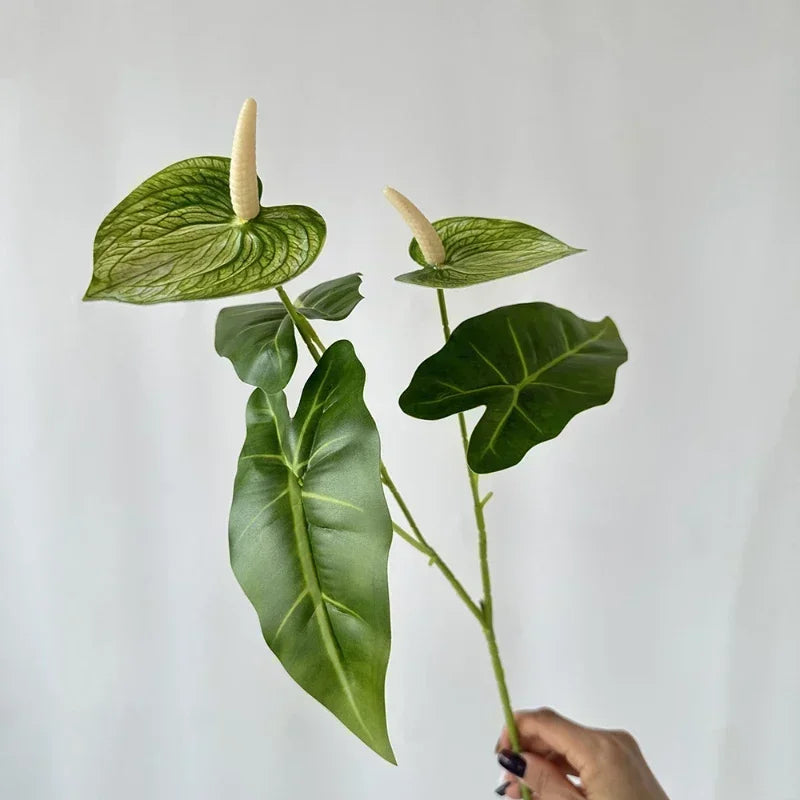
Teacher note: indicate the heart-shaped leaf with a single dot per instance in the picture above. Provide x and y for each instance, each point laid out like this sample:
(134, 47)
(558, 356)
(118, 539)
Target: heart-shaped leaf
(478, 249)
(309, 540)
(176, 237)
(259, 338)
(534, 366)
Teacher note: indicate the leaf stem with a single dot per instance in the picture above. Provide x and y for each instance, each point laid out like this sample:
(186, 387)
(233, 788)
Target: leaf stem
(432, 554)
(443, 313)
(302, 324)
(403, 534)
(311, 332)
(315, 337)
(486, 581)
(418, 541)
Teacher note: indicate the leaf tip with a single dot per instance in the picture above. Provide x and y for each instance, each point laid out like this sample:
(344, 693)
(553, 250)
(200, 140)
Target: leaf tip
(406, 277)
(93, 292)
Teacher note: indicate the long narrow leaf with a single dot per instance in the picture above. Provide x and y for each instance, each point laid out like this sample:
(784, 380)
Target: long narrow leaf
(309, 539)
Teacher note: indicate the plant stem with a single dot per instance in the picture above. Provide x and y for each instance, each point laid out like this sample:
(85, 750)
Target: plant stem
(403, 534)
(313, 341)
(486, 581)
(314, 336)
(443, 313)
(432, 554)
(303, 326)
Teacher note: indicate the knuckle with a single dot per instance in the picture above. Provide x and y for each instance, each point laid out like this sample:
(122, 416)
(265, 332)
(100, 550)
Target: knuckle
(604, 753)
(606, 747)
(545, 712)
(626, 740)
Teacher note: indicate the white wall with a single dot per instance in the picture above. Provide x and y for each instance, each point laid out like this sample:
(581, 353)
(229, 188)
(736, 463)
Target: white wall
(646, 562)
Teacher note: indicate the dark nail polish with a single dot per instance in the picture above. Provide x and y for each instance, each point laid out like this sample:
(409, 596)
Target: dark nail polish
(514, 763)
(502, 788)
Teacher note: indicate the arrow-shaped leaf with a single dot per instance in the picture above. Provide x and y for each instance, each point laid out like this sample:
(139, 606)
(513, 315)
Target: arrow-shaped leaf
(259, 338)
(309, 540)
(176, 237)
(478, 249)
(533, 366)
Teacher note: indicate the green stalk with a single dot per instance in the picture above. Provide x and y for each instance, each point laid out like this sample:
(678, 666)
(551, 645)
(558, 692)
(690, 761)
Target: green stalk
(486, 581)
(303, 326)
(314, 336)
(403, 534)
(418, 541)
(432, 554)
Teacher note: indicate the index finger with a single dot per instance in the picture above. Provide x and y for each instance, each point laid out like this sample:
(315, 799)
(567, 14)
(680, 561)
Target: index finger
(543, 731)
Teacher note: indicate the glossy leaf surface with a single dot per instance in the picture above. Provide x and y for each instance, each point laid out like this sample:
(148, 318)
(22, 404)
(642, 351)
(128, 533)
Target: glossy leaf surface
(176, 237)
(533, 366)
(309, 540)
(478, 249)
(259, 338)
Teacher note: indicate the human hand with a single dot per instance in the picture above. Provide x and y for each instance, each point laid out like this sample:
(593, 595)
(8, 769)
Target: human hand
(607, 764)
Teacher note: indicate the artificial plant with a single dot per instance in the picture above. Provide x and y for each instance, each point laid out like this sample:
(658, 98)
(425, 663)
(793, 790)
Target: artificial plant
(310, 527)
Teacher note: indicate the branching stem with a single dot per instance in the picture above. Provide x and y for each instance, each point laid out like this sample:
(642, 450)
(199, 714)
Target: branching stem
(483, 612)
(417, 540)
(313, 343)
(486, 581)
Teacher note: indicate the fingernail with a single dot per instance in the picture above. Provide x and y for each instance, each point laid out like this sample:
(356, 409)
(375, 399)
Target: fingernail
(514, 763)
(502, 788)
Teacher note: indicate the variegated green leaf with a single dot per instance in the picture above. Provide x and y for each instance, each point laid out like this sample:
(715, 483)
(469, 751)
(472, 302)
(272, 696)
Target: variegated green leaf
(478, 249)
(176, 237)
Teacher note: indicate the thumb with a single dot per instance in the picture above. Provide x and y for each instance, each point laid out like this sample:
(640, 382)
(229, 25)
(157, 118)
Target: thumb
(541, 776)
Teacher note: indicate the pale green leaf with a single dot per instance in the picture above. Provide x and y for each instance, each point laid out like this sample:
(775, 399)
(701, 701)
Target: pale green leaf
(176, 237)
(533, 366)
(478, 249)
(309, 540)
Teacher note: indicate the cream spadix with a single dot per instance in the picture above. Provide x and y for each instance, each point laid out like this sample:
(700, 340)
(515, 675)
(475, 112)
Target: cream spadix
(428, 240)
(243, 178)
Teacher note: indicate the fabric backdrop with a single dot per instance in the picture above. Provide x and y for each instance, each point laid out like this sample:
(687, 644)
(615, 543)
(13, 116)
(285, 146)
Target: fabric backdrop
(646, 562)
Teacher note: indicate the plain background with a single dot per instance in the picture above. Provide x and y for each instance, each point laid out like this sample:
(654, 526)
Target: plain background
(646, 562)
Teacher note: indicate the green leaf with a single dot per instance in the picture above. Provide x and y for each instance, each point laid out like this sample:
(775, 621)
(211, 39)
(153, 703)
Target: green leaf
(478, 249)
(176, 237)
(331, 300)
(259, 338)
(309, 540)
(533, 366)
(259, 341)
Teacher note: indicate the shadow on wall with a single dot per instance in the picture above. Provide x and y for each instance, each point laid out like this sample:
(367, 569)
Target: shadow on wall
(758, 756)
